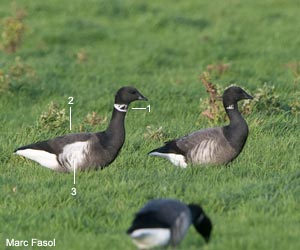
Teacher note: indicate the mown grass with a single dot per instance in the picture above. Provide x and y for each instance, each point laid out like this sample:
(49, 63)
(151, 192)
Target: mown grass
(161, 48)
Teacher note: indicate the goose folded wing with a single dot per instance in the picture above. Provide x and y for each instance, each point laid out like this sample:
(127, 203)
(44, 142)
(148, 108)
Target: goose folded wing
(56, 145)
(207, 146)
(201, 137)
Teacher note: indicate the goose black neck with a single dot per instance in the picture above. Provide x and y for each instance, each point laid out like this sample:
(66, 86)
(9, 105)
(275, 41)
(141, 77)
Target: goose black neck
(196, 211)
(116, 125)
(200, 221)
(237, 131)
(234, 114)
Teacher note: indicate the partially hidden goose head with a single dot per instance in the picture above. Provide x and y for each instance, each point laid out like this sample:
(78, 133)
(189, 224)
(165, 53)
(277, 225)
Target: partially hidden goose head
(85, 151)
(219, 145)
(163, 222)
(201, 222)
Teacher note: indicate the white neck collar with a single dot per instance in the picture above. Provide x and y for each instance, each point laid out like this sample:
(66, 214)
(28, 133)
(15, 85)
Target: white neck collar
(121, 107)
(231, 106)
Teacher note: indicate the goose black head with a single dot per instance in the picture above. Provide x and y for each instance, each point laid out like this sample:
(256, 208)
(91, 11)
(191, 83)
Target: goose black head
(126, 95)
(234, 94)
(201, 222)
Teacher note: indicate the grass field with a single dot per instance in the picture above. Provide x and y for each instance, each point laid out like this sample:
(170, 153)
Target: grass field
(88, 49)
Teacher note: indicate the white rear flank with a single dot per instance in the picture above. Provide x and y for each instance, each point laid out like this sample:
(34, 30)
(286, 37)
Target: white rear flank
(204, 152)
(150, 237)
(44, 158)
(176, 159)
(74, 155)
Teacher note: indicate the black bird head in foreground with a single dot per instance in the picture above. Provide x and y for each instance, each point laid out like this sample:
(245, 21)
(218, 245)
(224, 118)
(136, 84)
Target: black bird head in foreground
(165, 222)
(201, 222)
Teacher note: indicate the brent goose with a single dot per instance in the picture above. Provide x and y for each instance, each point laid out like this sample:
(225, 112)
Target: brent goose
(219, 145)
(163, 222)
(84, 151)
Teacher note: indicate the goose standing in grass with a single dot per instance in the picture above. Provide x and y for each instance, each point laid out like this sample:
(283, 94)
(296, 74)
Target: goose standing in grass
(163, 222)
(84, 151)
(219, 145)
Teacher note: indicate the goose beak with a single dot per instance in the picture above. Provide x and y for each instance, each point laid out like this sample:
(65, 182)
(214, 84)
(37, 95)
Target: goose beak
(142, 98)
(247, 96)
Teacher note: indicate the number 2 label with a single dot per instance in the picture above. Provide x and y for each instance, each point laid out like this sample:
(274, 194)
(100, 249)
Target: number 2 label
(71, 98)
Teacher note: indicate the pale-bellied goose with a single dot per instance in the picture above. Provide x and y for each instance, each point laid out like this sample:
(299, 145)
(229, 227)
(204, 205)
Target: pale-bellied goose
(163, 222)
(219, 145)
(84, 151)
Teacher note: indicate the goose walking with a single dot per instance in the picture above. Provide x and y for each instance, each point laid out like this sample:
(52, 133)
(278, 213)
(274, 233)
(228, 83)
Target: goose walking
(219, 145)
(163, 222)
(84, 151)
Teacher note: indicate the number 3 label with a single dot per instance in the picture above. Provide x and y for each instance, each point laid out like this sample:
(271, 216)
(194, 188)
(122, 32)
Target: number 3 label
(73, 191)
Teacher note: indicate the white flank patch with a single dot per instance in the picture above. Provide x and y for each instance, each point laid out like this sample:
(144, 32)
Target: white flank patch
(74, 154)
(204, 152)
(150, 237)
(42, 157)
(176, 159)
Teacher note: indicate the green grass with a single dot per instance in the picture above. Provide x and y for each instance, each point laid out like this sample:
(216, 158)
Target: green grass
(161, 48)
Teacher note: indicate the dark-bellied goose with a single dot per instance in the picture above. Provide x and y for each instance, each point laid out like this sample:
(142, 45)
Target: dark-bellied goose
(85, 151)
(163, 222)
(219, 145)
